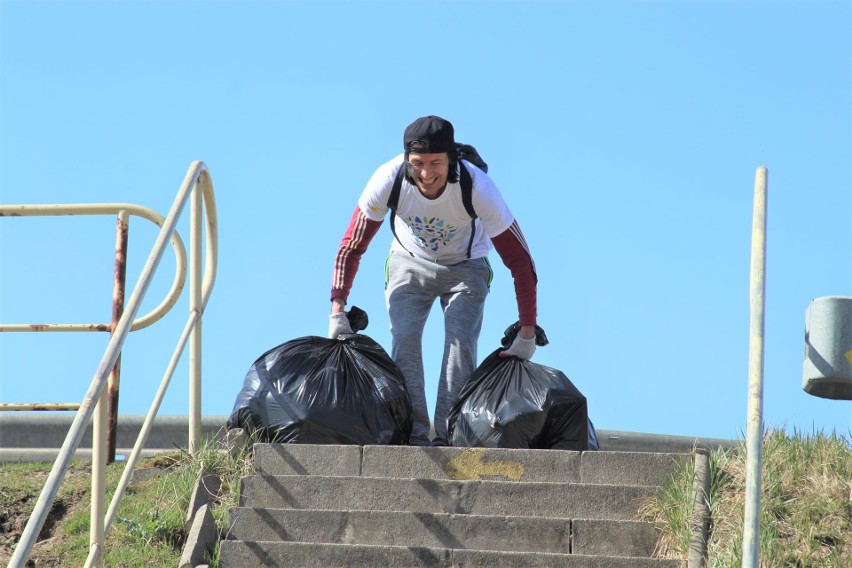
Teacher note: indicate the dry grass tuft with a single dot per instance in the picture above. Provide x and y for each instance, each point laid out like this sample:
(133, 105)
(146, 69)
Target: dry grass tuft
(806, 504)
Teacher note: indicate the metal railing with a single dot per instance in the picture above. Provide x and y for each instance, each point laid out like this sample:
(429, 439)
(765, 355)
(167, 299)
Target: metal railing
(124, 211)
(197, 189)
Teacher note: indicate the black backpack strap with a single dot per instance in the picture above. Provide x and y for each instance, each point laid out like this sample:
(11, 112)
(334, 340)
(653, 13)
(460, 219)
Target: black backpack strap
(467, 199)
(393, 203)
(393, 199)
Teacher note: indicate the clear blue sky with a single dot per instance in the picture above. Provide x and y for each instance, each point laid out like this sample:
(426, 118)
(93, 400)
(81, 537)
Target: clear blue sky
(625, 137)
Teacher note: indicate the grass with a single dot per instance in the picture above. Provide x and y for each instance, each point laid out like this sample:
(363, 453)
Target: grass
(806, 504)
(149, 529)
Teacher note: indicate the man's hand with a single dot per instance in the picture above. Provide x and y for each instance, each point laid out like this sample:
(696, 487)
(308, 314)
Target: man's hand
(523, 346)
(338, 324)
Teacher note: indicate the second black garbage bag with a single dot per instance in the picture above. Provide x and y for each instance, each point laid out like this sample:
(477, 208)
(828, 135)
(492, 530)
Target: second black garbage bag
(315, 390)
(513, 403)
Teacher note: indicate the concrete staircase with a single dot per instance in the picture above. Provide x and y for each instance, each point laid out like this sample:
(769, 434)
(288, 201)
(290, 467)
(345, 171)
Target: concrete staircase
(327, 506)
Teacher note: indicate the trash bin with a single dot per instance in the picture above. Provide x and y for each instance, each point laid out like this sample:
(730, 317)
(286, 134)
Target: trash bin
(827, 370)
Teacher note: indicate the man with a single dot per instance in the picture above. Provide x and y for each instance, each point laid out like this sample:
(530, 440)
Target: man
(438, 253)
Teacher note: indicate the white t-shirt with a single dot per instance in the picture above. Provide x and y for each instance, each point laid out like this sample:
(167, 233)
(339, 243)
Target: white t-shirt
(438, 229)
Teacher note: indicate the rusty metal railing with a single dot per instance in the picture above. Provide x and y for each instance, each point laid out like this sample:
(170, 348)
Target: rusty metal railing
(103, 209)
(197, 189)
(123, 211)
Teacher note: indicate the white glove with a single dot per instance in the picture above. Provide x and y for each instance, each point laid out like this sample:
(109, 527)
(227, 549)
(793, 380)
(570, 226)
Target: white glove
(521, 348)
(338, 324)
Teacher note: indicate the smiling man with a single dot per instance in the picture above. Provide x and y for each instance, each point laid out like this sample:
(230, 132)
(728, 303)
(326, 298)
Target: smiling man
(441, 253)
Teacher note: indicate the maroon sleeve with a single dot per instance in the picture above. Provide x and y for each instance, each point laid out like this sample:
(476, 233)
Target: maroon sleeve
(513, 250)
(359, 233)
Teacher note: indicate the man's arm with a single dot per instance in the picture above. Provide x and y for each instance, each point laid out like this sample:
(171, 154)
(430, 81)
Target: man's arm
(513, 250)
(359, 233)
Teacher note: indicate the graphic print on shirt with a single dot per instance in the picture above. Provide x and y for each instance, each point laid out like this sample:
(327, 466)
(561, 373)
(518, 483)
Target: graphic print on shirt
(431, 233)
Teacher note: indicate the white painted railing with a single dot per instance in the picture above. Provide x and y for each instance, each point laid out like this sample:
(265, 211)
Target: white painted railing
(197, 189)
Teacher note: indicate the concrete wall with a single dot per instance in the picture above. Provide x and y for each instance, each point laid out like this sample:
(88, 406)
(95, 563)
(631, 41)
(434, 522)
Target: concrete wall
(36, 436)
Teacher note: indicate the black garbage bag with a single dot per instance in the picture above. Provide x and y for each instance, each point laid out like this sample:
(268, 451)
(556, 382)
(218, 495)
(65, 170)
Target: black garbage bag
(315, 390)
(593, 437)
(513, 403)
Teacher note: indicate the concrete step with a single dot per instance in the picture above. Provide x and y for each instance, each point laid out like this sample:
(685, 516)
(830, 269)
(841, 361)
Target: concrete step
(240, 554)
(322, 505)
(615, 468)
(441, 530)
(561, 500)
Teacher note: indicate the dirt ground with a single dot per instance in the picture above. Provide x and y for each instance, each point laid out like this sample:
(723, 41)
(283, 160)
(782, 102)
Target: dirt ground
(19, 503)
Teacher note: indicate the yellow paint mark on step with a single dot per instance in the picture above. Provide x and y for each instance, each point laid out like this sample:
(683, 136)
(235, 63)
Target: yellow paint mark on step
(848, 355)
(470, 464)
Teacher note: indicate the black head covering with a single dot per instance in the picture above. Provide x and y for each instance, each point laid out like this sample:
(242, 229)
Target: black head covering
(429, 135)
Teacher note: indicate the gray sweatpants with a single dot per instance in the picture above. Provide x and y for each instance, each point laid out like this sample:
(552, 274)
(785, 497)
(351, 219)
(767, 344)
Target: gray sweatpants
(411, 287)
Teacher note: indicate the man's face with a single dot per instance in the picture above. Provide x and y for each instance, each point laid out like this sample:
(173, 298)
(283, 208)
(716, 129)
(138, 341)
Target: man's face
(430, 172)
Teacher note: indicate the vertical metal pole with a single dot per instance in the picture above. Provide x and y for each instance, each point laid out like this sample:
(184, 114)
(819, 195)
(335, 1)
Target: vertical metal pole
(120, 276)
(754, 432)
(195, 276)
(99, 451)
